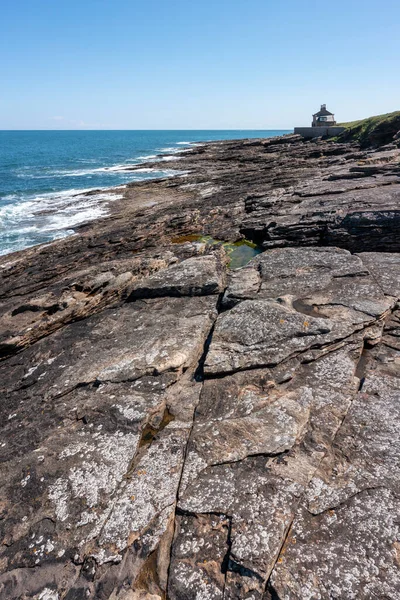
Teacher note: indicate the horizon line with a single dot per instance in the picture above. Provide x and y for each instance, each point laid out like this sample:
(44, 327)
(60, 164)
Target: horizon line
(205, 129)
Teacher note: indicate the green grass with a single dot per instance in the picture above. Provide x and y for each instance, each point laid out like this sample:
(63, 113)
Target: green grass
(373, 130)
(364, 124)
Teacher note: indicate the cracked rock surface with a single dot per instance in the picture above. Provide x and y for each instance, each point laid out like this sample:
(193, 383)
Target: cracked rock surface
(176, 429)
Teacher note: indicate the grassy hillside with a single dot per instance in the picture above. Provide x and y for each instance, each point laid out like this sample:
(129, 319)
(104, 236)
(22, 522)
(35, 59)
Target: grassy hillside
(374, 131)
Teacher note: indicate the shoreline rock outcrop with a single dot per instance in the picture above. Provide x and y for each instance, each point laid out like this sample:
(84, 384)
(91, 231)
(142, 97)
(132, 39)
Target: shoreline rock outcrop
(175, 429)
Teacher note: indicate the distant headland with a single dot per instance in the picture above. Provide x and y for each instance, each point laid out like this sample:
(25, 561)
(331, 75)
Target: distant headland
(372, 130)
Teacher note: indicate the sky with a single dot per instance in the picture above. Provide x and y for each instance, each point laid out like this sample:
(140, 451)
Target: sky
(195, 64)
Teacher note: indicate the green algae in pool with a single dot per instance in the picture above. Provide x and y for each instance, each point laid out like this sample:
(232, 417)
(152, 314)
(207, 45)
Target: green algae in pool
(240, 253)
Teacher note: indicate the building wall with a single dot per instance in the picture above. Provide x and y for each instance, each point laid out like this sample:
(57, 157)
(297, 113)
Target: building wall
(310, 132)
(323, 124)
(329, 120)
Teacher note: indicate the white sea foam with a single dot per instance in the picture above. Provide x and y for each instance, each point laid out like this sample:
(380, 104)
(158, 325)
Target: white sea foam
(58, 173)
(124, 168)
(172, 150)
(28, 237)
(167, 158)
(65, 220)
(71, 206)
(50, 216)
(160, 172)
(19, 208)
(29, 219)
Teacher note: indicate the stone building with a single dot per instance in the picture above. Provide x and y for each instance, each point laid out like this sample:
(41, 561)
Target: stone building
(323, 118)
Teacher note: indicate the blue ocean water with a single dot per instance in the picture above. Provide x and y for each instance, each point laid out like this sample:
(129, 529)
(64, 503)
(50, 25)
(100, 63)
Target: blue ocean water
(44, 174)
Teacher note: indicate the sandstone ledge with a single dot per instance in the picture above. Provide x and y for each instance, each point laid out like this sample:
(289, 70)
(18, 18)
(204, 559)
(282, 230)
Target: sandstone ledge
(175, 429)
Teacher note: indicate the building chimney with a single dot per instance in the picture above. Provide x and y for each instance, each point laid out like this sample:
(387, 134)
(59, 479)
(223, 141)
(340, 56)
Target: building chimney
(323, 106)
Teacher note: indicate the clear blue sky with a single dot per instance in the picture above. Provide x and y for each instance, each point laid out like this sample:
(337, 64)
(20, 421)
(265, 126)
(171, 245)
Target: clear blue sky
(195, 64)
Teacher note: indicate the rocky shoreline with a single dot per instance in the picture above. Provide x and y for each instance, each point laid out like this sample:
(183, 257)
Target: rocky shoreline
(175, 428)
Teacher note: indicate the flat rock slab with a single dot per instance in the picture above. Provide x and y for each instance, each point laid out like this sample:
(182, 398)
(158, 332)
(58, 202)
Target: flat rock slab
(349, 552)
(86, 494)
(330, 276)
(345, 539)
(296, 299)
(259, 333)
(38, 311)
(385, 268)
(97, 417)
(258, 438)
(196, 276)
(130, 341)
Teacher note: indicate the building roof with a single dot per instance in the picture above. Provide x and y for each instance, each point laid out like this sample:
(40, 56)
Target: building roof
(323, 113)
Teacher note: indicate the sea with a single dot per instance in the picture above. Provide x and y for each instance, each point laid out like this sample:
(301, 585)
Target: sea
(44, 175)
